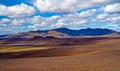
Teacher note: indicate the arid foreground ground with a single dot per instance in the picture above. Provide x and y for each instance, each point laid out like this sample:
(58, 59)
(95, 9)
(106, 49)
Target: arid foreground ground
(87, 55)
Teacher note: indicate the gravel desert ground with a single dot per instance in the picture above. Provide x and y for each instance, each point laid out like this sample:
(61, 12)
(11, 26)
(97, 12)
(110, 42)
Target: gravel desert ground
(103, 55)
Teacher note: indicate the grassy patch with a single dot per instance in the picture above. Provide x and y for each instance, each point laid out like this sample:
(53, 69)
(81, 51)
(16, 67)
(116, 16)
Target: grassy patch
(19, 49)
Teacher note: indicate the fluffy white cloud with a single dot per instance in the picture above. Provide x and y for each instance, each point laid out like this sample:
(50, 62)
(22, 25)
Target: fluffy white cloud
(16, 11)
(74, 19)
(69, 20)
(113, 8)
(17, 22)
(87, 13)
(102, 16)
(5, 20)
(59, 25)
(109, 18)
(55, 5)
(2, 25)
(82, 22)
(83, 19)
(104, 1)
(65, 6)
(35, 19)
(96, 13)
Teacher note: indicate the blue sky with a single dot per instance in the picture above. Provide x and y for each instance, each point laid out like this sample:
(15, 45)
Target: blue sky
(26, 15)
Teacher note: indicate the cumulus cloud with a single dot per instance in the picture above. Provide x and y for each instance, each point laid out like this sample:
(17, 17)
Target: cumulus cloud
(35, 19)
(102, 16)
(23, 16)
(65, 6)
(55, 5)
(112, 8)
(109, 18)
(87, 13)
(17, 22)
(5, 20)
(16, 11)
(82, 22)
(104, 1)
(2, 25)
(75, 14)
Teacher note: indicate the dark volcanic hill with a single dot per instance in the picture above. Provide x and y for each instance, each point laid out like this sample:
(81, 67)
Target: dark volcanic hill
(64, 33)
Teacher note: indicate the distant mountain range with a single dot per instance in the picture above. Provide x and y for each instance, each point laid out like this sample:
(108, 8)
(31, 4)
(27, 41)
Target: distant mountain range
(62, 33)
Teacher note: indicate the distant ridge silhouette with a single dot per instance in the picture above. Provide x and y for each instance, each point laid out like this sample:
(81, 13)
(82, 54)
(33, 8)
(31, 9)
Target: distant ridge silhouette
(63, 33)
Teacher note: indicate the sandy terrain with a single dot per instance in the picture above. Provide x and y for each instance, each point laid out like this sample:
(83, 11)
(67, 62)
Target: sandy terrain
(103, 55)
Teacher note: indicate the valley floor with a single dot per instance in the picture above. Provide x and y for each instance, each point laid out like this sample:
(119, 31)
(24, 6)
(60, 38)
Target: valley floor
(103, 55)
